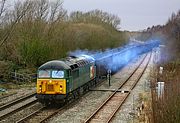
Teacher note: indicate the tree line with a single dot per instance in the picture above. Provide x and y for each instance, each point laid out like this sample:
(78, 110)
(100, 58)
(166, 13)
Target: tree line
(169, 33)
(35, 31)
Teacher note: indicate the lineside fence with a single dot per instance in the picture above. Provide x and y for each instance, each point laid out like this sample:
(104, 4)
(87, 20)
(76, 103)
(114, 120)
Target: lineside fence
(22, 77)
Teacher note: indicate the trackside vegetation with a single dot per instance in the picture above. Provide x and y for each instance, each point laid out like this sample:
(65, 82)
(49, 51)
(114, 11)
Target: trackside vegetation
(166, 108)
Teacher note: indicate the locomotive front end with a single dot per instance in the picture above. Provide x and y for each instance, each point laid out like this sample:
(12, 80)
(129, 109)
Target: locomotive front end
(52, 82)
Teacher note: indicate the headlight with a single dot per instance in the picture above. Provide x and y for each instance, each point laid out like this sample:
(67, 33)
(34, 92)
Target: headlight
(60, 88)
(40, 88)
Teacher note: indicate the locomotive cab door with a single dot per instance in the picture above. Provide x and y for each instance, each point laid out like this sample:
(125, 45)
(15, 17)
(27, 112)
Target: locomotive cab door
(69, 80)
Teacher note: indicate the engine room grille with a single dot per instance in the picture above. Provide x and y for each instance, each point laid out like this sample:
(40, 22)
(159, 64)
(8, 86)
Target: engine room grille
(50, 88)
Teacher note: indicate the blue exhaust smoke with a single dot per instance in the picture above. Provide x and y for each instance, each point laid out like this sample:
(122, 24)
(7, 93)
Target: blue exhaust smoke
(114, 59)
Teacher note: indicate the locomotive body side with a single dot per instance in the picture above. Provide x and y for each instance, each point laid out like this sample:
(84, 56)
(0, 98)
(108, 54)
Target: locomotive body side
(82, 75)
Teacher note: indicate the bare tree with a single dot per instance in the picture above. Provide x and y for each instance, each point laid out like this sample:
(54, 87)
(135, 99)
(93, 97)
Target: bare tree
(18, 14)
(2, 10)
(2, 7)
(57, 13)
(41, 7)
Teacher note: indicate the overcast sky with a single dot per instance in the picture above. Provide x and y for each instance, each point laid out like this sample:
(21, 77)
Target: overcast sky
(134, 14)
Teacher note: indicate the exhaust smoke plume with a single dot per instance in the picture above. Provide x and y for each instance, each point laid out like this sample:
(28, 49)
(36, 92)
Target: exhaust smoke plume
(114, 59)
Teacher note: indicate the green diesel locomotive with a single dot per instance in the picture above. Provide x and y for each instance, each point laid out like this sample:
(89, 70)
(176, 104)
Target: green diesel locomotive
(61, 80)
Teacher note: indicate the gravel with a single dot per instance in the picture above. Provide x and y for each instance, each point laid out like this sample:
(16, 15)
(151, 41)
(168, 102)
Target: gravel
(17, 116)
(16, 106)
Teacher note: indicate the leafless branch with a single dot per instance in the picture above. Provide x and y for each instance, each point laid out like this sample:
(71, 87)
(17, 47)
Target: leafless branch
(2, 7)
(20, 12)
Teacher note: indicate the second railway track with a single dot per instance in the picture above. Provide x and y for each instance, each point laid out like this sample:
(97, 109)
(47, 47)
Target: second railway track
(17, 105)
(43, 114)
(105, 112)
(40, 115)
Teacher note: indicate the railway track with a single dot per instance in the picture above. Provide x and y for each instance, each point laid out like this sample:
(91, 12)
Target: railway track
(43, 114)
(105, 112)
(40, 115)
(8, 95)
(17, 105)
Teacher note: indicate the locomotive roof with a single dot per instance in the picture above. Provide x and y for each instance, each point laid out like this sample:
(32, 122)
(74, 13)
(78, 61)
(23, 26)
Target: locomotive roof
(55, 64)
(71, 62)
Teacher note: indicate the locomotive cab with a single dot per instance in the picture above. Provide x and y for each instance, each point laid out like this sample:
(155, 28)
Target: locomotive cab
(51, 81)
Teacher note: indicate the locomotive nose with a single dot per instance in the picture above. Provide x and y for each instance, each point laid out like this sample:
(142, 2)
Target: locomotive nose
(49, 86)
